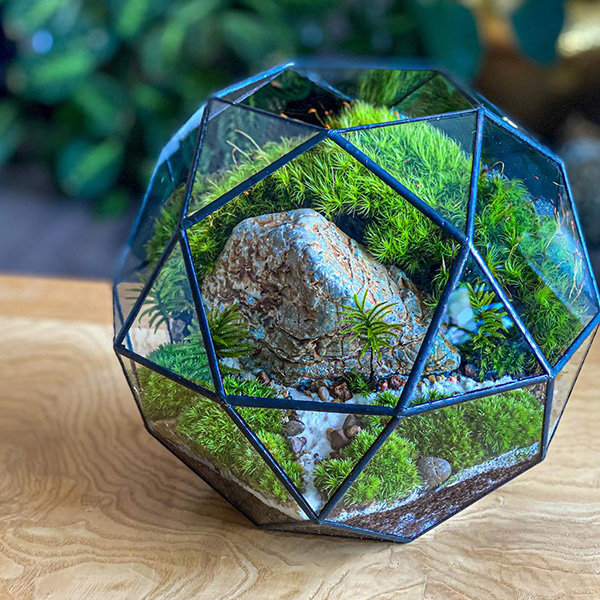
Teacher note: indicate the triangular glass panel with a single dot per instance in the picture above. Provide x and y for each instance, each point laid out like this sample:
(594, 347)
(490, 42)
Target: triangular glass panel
(379, 87)
(565, 382)
(293, 96)
(158, 218)
(201, 433)
(433, 158)
(165, 330)
(237, 143)
(242, 92)
(492, 350)
(298, 261)
(436, 463)
(300, 439)
(526, 232)
(435, 96)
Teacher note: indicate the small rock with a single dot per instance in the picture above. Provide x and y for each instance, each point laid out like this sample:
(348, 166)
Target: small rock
(350, 421)
(433, 470)
(470, 371)
(353, 431)
(297, 443)
(396, 382)
(383, 386)
(453, 379)
(337, 438)
(341, 391)
(431, 378)
(324, 394)
(263, 377)
(293, 427)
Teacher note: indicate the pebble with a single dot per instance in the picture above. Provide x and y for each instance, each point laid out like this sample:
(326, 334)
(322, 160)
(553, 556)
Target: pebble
(431, 378)
(341, 391)
(383, 386)
(263, 377)
(293, 427)
(324, 394)
(337, 438)
(297, 443)
(471, 372)
(353, 431)
(396, 382)
(350, 421)
(433, 470)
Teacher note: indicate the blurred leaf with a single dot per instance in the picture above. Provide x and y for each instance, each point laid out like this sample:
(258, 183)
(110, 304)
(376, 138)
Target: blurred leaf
(89, 170)
(449, 34)
(23, 17)
(537, 25)
(105, 105)
(114, 204)
(11, 131)
(54, 76)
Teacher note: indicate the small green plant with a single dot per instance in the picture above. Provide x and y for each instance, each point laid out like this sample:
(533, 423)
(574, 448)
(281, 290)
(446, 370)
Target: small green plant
(370, 327)
(187, 359)
(228, 332)
(357, 382)
(236, 386)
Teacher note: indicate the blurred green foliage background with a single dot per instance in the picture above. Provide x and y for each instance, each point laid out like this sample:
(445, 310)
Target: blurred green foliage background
(94, 88)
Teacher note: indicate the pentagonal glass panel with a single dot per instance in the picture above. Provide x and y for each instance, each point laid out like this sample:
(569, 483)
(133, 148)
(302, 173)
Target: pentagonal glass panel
(492, 349)
(158, 218)
(300, 439)
(293, 96)
(526, 232)
(203, 435)
(432, 158)
(565, 382)
(436, 463)
(166, 330)
(302, 264)
(236, 144)
(379, 87)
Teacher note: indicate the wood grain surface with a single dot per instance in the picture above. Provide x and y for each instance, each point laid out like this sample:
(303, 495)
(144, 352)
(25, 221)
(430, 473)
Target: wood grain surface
(93, 507)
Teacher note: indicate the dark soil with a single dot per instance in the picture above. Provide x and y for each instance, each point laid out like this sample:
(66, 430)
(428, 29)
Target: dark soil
(413, 518)
(246, 502)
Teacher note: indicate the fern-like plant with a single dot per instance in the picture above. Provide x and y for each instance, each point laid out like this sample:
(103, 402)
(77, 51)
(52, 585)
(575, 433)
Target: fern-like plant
(228, 332)
(370, 327)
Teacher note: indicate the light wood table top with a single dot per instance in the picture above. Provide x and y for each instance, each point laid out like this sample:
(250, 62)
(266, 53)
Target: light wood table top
(93, 507)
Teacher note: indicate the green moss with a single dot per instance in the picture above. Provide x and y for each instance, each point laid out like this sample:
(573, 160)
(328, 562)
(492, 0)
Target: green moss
(236, 386)
(465, 435)
(187, 359)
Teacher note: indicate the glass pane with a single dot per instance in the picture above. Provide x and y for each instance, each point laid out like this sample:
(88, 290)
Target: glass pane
(492, 349)
(158, 218)
(436, 463)
(242, 92)
(380, 87)
(565, 382)
(166, 330)
(526, 232)
(432, 158)
(435, 96)
(300, 439)
(237, 143)
(307, 263)
(201, 433)
(293, 96)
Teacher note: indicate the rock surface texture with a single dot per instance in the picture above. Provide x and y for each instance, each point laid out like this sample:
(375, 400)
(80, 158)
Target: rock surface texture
(290, 274)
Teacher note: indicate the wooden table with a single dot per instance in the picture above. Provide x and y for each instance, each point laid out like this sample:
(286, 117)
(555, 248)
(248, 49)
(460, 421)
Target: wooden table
(93, 507)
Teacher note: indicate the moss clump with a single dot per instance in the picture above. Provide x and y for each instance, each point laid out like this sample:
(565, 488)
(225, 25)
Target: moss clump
(216, 438)
(465, 435)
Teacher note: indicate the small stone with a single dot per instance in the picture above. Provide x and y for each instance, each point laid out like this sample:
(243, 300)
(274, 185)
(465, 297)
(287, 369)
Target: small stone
(433, 470)
(341, 391)
(383, 386)
(353, 431)
(324, 394)
(396, 382)
(337, 438)
(453, 379)
(431, 378)
(297, 443)
(350, 421)
(470, 371)
(263, 377)
(293, 427)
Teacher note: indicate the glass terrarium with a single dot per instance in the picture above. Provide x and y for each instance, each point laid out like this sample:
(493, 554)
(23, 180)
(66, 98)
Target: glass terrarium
(356, 298)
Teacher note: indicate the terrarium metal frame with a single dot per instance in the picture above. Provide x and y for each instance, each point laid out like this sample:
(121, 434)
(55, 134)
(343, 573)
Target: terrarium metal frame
(467, 250)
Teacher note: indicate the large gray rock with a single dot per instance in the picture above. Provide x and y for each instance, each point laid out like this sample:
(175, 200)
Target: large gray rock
(290, 274)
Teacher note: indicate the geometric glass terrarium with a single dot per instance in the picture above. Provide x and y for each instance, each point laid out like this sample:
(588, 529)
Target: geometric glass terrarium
(355, 300)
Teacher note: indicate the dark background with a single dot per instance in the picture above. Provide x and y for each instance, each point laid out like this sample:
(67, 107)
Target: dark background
(90, 90)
